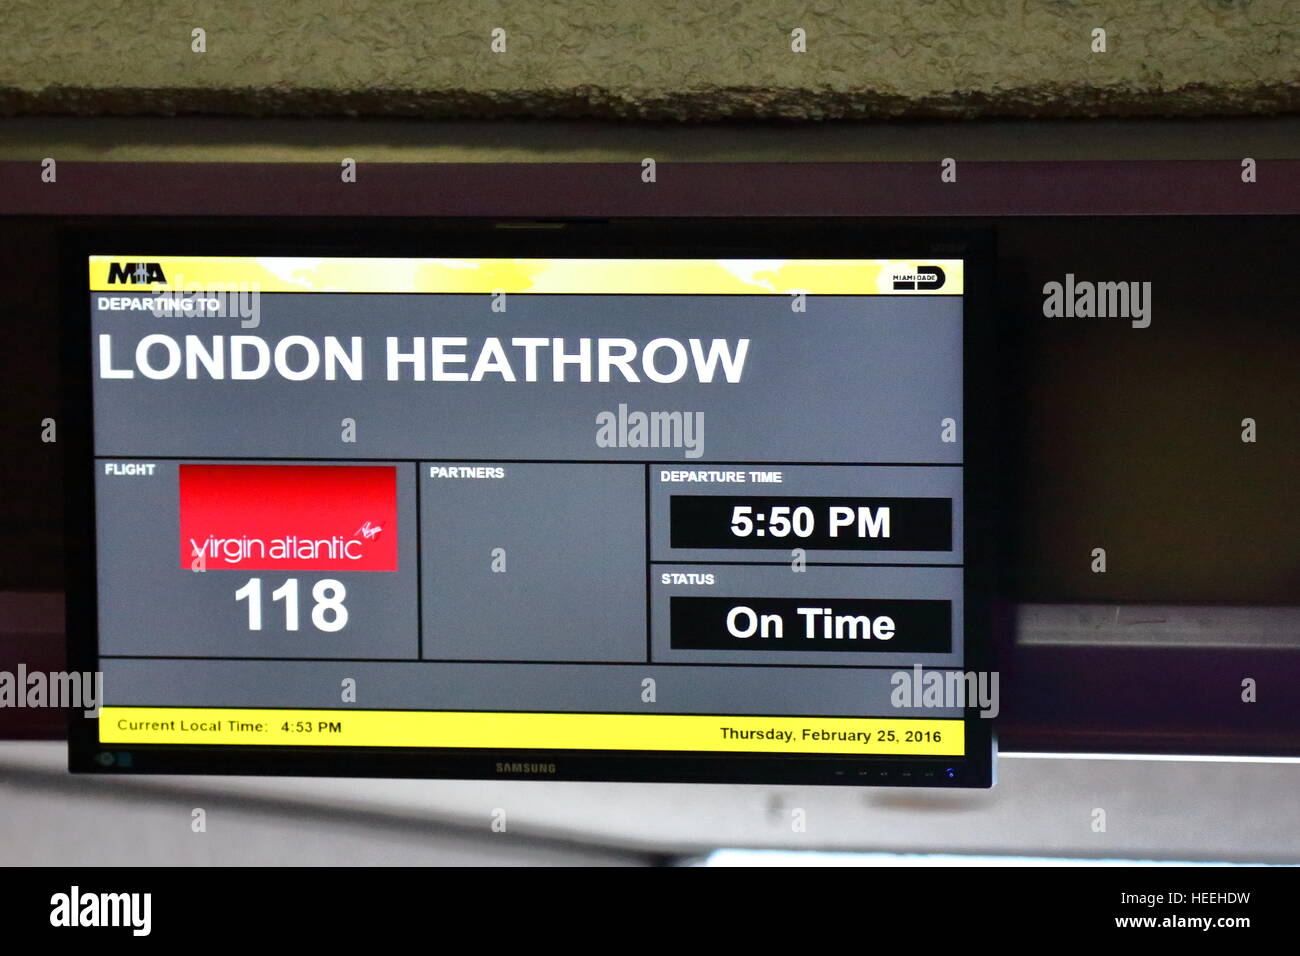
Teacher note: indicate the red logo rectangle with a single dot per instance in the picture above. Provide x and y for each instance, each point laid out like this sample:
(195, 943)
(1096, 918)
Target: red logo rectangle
(289, 517)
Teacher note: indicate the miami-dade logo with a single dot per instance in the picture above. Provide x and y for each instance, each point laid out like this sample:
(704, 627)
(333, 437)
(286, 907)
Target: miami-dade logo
(922, 278)
(135, 273)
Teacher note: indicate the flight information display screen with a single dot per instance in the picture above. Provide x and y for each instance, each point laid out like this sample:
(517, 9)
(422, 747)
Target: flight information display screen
(574, 518)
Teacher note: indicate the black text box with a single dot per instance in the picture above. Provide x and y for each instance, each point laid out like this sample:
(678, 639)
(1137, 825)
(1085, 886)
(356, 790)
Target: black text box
(884, 625)
(816, 522)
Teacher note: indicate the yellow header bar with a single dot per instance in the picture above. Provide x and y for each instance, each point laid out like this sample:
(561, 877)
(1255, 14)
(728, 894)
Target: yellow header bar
(531, 731)
(140, 273)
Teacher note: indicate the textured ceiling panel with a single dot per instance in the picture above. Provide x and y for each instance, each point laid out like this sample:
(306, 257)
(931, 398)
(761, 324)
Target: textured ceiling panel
(672, 60)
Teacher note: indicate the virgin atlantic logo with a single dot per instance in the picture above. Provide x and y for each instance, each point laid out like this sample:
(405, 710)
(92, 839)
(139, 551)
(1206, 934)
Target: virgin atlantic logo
(288, 517)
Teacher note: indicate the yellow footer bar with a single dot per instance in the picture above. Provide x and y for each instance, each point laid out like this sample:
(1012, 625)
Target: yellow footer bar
(530, 731)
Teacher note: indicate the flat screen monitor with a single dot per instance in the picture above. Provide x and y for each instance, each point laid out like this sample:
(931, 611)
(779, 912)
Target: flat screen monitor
(605, 503)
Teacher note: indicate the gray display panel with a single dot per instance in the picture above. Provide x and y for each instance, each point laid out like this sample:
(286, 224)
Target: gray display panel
(581, 504)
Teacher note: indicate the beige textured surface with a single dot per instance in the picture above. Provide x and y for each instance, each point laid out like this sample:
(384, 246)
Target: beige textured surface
(673, 59)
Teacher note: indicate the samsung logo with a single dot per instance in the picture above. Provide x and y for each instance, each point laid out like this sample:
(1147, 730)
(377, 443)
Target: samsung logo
(526, 768)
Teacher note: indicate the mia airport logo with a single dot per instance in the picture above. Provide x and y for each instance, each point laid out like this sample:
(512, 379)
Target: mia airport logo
(135, 273)
(288, 517)
(75, 908)
(920, 279)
